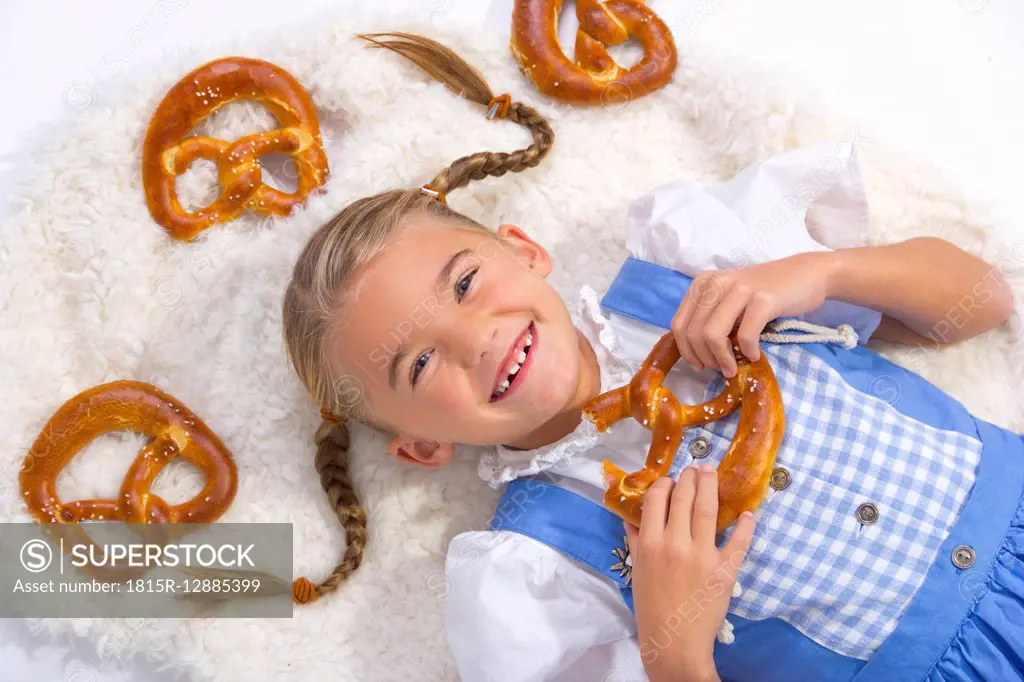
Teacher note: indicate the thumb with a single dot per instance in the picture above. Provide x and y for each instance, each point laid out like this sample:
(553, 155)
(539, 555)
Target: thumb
(736, 549)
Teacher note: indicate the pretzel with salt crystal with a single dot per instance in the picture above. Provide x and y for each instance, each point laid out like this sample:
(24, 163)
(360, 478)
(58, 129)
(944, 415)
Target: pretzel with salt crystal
(594, 78)
(746, 469)
(175, 432)
(167, 153)
(135, 406)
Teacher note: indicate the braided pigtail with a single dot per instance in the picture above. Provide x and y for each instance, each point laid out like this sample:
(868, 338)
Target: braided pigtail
(332, 445)
(445, 66)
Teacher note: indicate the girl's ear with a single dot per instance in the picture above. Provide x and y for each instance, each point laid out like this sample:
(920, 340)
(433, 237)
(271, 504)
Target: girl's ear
(424, 453)
(530, 252)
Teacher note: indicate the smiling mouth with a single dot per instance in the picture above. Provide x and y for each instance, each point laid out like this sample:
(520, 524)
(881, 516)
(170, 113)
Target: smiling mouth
(511, 371)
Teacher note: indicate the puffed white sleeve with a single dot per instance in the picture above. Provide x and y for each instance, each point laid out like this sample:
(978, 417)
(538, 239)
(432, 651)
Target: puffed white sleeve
(806, 200)
(518, 610)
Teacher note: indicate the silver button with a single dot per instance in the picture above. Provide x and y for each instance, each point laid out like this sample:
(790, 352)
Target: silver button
(867, 513)
(963, 556)
(700, 447)
(780, 478)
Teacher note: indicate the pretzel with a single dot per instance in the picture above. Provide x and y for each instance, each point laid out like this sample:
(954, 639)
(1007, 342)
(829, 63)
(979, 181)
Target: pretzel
(595, 78)
(746, 468)
(167, 153)
(128, 405)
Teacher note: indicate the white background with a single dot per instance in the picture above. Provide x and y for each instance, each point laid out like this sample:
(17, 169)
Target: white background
(941, 78)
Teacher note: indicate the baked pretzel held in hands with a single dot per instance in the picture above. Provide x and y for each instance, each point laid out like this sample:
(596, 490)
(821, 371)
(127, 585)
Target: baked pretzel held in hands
(746, 468)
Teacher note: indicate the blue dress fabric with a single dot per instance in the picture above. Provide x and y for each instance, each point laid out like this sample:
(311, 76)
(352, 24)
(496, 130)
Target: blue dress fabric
(955, 624)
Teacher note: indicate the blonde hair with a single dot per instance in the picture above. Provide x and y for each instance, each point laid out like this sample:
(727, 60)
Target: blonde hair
(316, 292)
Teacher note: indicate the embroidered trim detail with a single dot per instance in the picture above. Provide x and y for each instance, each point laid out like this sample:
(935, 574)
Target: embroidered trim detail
(625, 564)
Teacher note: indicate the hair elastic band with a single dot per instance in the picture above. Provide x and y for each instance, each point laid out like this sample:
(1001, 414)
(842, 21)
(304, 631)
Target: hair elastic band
(432, 191)
(498, 106)
(330, 417)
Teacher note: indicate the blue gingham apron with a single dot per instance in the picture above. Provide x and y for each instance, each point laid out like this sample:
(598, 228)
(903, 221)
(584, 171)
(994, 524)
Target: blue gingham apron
(827, 592)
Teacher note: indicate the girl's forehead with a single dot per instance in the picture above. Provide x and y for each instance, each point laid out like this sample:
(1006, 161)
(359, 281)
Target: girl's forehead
(417, 230)
(409, 275)
(431, 246)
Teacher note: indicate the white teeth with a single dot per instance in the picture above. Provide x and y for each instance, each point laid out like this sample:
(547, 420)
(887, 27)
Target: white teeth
(516, 366)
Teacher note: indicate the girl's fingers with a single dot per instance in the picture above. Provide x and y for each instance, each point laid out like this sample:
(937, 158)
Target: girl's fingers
(710, 294)
(654, 512)
(736, 549)
(755, 317)
(720, 324)
(680, 321)
(696, 329)
(705, 507)
(681, 510)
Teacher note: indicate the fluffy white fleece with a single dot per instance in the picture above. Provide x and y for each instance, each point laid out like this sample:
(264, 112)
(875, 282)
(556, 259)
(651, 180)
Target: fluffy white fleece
(93, 291)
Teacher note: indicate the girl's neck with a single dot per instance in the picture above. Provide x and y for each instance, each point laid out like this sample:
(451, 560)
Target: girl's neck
(566, 421)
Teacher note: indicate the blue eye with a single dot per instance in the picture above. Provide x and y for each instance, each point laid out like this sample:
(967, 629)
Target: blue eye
(418, 365)
(462, 286)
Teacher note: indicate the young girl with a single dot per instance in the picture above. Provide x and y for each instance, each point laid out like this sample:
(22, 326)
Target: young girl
(887, 493)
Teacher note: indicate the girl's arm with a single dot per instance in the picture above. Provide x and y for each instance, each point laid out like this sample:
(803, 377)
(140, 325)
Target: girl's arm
(928, 290)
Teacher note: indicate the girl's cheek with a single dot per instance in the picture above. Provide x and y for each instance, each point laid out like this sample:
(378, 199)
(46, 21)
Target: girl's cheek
(449, 394)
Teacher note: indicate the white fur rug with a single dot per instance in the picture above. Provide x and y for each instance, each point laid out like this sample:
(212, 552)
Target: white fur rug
(91, 290)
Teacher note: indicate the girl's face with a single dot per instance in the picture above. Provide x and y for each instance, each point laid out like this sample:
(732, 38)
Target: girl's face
(457, 337)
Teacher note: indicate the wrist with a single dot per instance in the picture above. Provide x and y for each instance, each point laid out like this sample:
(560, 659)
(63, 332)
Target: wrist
(684, 671)
(835, 265)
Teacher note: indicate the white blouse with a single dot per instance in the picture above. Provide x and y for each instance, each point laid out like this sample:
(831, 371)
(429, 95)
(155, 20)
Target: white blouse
(521, 610)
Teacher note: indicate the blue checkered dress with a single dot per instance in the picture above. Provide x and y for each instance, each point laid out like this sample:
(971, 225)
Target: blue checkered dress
(814, 564)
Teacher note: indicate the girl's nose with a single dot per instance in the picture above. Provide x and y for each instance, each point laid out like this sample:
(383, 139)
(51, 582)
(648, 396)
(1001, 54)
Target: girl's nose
(475, 341)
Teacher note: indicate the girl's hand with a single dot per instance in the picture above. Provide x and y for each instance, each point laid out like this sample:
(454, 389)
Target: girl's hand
(751, 297)
(681, 582)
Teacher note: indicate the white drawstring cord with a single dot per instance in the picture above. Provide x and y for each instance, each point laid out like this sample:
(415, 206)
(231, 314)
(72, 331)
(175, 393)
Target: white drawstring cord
(843, 335)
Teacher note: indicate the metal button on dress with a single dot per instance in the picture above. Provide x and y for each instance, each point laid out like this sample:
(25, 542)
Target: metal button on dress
(963, 556)
(780, 478)
(867, 513)
(700, 447)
